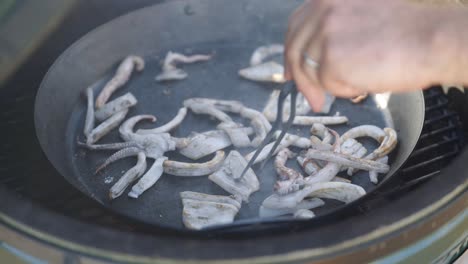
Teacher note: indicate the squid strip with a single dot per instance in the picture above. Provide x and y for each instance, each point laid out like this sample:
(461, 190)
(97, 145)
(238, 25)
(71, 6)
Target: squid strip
(121, 77)
(266, 72)
(194, 169)
(284, 172)
(203, 144)
(171, 75)
(309, 166)
(348, 161)
(89, 121)
(232, 200)
(121, 103)
(105, 127)
(130, 176)
(326, 120)
(149, 179)
(263, 52)
(307, 204)
(304, 214)
(388, 145)
(202, 108)
(111, 146)
(204, 210)
(168, 126)
(287, 141)
(340, 179)
(271, 109)
(387, 138)
(365, 131)
(326, 174)
(171, 72)
(258, 121)
(321, 131)
(373, 175)
(126, 129)
(239, 135)
(344, 192)
(121, 154)
(228, 177)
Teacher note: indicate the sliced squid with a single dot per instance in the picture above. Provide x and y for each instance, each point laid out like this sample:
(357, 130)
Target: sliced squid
(149, 179)
(202, 106)
(126, 129)
(348, 160)
(326, 120)
(177, 168)
(373, 175)
(121, 77)
(105, 127)
(217, 109)
(238, 134)
(307, 204)
(263, 52)
(171, 75)
(228, 177)
(89, 120)
(130, 176)
(232, 200)
(121, 154)
(288, 140)
(284, 172)
(340, 191)
(322, 131)
(309, 166)
(387, 138)
(171, 72)
(111, 146)
(365, 131)
(121, 103)
(302, 106)
(271, 109)
(304, 214)
(354, 148)
(169, 126)
(258, 121)
(204, 210)
(387, 146)
(203, 144)
(270, 71)
(325, 174)
(340, 179)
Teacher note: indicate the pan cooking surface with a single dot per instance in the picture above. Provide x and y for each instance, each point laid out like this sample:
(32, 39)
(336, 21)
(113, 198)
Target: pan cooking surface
(217, 78)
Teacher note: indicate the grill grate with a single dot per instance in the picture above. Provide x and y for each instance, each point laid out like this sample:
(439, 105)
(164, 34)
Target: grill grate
(25, 169)
(441, 140)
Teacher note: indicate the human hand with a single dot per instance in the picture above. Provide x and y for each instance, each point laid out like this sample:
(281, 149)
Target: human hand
(363, 46)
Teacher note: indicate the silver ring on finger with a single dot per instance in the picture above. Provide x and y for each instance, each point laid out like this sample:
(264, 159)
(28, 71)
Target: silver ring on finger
(310, 62)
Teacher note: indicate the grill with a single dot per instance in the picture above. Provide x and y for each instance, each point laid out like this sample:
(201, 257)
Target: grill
(31, 188)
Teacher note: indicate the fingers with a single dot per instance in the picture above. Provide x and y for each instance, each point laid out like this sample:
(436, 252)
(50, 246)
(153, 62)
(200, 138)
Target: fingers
(302, 26)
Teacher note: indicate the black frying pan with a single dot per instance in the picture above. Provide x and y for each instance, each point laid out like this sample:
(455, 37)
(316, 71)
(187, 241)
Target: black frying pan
(230, 29)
